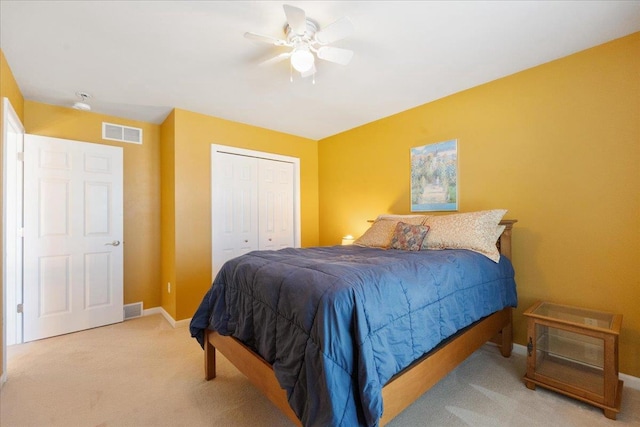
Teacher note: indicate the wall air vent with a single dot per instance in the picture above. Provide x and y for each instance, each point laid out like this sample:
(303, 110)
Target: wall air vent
(121, 133)
(131, 311)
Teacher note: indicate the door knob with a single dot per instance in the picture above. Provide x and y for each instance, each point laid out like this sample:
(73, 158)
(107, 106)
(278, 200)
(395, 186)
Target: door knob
(114, 243)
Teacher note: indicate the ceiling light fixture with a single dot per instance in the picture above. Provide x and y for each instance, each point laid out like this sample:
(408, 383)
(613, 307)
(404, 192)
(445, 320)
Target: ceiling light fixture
(82, 105)
(302, 59)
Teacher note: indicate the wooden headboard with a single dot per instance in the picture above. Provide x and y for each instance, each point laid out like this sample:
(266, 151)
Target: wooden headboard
(504, 242)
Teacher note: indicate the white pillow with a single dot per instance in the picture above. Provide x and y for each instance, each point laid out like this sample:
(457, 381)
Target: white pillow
(475, 231)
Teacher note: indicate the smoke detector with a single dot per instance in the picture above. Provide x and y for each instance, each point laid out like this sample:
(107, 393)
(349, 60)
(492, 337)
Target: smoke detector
(82, 105)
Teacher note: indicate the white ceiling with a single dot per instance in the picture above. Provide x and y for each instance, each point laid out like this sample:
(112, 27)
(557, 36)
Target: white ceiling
(140, 59)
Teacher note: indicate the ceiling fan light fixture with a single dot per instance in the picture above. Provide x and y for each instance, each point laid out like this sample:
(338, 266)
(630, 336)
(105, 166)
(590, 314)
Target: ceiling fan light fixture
(302, 59)
(307, 41)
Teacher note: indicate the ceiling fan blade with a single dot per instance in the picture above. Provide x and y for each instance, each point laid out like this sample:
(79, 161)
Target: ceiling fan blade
(276, 59)
(296, 18)
(265, 39)
(340, 29)
(309, 72)
(335, 54)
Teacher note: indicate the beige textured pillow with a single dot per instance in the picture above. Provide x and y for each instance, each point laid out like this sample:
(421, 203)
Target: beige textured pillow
(475, 231)
(407, 219)
(381, 231)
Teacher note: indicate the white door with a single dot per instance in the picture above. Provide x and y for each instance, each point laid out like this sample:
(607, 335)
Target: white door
(275, 225)
(235, 201)
(73, 230)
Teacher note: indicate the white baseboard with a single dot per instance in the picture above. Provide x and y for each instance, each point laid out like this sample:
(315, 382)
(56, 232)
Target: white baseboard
(160, 310)
(183, 323)
(517, 349)
(629, 381)
(152, 311)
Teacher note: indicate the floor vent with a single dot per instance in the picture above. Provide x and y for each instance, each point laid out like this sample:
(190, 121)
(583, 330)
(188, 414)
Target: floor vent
(131, 311)
(121, 133)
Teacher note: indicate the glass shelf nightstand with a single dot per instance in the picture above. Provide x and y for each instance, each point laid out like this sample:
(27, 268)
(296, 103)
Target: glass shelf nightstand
(574, 351)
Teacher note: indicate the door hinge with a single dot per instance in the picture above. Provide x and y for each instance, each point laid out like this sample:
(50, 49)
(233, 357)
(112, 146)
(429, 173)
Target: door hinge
(20, 232)
(20, 156)
(20, 308)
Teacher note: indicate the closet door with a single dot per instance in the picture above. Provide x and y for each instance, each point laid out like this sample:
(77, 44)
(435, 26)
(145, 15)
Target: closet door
(275, 188)
(234, 207)
(254, 203)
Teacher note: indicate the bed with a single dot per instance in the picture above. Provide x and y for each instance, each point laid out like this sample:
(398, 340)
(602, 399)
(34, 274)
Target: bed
(345, 351)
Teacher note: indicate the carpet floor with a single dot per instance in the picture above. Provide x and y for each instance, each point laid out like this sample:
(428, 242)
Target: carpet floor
(143, 372)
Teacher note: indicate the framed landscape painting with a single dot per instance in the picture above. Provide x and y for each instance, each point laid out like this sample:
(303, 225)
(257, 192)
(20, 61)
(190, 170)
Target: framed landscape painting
(434, 177)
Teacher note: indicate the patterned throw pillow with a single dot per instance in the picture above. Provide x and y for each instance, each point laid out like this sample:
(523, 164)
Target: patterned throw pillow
(408, 237)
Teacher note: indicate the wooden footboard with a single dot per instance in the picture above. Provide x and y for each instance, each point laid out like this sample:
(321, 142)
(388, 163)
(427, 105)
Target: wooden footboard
(400, 391)
(254, 367)
(414, 381)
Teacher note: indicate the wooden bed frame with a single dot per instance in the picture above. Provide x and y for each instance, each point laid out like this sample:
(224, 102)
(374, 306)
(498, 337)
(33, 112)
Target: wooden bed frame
(404, 388)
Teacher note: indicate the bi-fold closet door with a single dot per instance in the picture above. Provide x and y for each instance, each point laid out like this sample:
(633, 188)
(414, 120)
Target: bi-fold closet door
(252, 205)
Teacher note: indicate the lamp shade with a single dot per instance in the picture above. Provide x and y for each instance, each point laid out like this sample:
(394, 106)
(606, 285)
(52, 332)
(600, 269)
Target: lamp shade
(348, 240)
(302, 59)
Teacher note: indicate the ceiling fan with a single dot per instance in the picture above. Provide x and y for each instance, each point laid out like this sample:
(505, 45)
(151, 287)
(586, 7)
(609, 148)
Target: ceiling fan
(306, 38)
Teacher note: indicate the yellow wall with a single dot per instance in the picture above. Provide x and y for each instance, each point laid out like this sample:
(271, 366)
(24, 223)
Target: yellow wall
(8, 89)
(558, 145)
(191, 156)
(141, 189)
(168, 213)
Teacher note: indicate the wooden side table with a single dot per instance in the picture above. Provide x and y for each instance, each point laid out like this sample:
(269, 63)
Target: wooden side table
(574, 351)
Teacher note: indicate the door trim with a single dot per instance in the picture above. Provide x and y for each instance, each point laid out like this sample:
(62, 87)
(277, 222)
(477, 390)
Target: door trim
(216, 148)
(11, 251)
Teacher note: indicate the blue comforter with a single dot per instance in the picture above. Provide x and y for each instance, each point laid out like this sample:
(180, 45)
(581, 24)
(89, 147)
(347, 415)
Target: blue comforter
(338, 322)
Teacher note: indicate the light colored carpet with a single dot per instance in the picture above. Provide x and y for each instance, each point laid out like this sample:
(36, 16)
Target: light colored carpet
(145, 373)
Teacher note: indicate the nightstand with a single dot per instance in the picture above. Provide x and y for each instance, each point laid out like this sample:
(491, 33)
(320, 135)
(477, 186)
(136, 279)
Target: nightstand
(574, 351)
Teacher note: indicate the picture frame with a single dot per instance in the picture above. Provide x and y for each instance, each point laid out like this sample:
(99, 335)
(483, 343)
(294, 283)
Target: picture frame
(434, 177)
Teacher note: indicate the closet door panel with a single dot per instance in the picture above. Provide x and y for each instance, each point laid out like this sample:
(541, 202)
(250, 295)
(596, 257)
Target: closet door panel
(235, 202)
(276, 220)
